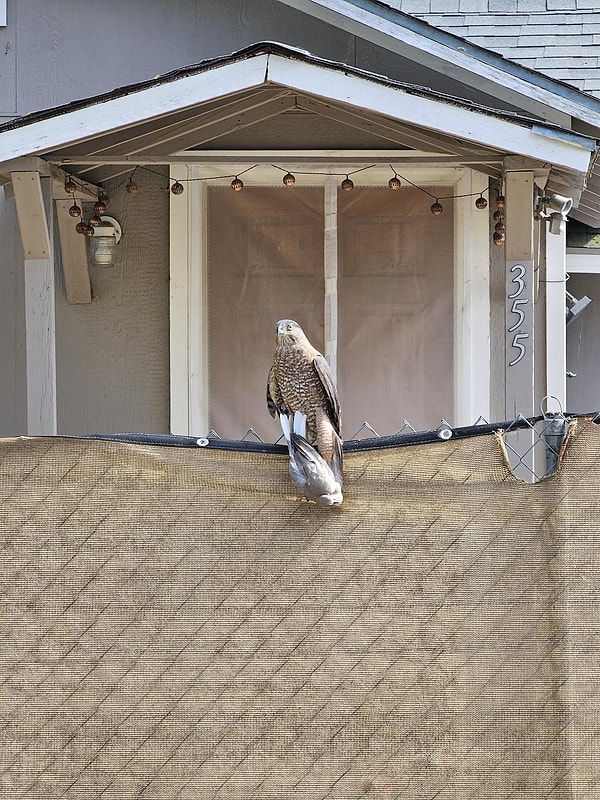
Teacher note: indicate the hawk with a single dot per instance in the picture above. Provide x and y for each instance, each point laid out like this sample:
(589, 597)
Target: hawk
(300, 380)
(309, 472)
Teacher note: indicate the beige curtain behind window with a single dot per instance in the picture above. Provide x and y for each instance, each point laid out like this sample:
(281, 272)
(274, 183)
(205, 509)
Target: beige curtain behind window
(395, 340)
(265, 262)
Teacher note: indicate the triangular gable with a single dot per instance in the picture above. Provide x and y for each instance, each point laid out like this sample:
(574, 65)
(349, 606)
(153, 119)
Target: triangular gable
(176, 100)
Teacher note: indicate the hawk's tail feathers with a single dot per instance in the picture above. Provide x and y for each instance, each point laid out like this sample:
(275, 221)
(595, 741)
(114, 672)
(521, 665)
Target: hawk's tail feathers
(337, 460)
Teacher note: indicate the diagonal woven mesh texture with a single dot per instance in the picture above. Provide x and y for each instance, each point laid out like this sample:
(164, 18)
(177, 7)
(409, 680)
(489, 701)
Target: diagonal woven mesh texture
(179, 624)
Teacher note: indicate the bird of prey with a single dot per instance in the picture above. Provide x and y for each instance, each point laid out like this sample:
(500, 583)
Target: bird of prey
(309, 472)
(300, 380)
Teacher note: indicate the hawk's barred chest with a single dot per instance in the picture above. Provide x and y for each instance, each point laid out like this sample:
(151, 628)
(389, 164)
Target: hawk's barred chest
(296, 376)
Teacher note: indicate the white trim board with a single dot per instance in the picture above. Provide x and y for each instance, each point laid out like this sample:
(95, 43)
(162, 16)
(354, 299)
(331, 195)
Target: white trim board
(562, 149)
(586, 261)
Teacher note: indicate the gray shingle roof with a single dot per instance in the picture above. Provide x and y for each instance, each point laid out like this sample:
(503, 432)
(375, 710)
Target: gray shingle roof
(559, 38)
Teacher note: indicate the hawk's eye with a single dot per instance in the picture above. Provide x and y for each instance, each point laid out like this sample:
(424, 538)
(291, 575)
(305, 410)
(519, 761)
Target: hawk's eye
(289, 327)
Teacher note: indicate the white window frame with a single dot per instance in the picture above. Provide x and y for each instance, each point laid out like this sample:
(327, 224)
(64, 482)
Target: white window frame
(188, 271)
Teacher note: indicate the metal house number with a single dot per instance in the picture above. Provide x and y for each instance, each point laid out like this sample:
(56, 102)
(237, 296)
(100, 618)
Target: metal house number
(518, 271)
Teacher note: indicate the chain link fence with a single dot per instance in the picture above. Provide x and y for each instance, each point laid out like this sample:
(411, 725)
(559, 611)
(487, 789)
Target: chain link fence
(533, 445)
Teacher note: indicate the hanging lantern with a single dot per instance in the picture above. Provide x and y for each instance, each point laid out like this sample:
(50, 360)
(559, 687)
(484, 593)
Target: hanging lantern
(498, 214)
(131, 186)
(80, 227)
(499, 238)
(481, 202)
(394, 183)
(95, 221)
(88, 230)
(500, 227)
(237, 185)
(437, 208)
(289, 179)
(347, 184)
(70, 186)
(500, 201)
(75, 210)
(99, 206)
(177, 188)
(104, 198)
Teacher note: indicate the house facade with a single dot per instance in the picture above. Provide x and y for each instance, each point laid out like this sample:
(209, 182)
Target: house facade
(404, 195)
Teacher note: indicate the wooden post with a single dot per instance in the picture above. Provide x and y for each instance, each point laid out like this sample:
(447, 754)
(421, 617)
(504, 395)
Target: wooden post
(73, 256)
(520, 339)
(520, 333)
(556, 337)
(40, 327)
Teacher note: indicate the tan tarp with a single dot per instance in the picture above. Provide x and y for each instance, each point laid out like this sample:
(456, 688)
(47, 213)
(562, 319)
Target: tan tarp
(177, 624)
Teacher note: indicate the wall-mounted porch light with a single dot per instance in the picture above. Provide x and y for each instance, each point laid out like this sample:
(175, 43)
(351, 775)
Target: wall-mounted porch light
(106, 237)
(555, 209)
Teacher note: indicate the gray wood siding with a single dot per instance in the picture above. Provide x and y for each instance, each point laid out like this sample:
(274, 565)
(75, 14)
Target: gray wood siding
(113, 355)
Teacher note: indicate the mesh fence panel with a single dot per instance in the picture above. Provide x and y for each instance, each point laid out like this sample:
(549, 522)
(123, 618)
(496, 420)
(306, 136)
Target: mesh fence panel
(178, 623)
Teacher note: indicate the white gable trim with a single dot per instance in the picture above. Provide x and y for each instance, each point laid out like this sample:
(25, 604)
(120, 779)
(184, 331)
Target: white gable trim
(138, 106)
(562, 149)
(488, 130)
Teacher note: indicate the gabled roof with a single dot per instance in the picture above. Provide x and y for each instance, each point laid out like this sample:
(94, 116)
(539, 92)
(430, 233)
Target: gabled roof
(519, 82)
(177, 116)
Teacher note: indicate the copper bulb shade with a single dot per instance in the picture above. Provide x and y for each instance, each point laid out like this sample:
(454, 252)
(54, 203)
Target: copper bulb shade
(75, 210)
(95, 221)
(500, 201)
(347, 184)
(498, 238)
(289, 179)
(498, 214)
(481, 202)
(104, 198)
(394, 183)
(500, 226)
(437, 208)
(177, 188)
(99, 206)
(70, 186)
(89, 230)
(80, 227)
(131, 186)
(237, 185)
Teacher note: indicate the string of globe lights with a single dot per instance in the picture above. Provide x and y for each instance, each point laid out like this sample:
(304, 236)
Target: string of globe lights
(289, 179)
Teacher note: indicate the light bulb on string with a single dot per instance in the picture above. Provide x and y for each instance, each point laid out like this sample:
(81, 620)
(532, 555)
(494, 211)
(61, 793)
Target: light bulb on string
(394, 183)
(289, 179)
(95, 220)
(498, 214)
(104, 198)
(436, 208)
(347, 184)
(88, 230)
(70, 186)
(99, 206)
(237, 184)
(177, 188)
(499, 238)
(80, 227)
(75, 210)
(481, 202)
(500, 201)
(131, 186)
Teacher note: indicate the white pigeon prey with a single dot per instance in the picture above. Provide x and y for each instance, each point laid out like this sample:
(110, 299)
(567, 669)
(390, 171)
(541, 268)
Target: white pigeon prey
(308, 470)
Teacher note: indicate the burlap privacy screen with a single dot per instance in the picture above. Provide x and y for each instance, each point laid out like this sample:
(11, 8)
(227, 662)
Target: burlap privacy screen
(178, 624)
